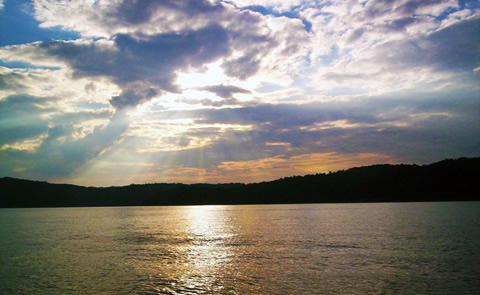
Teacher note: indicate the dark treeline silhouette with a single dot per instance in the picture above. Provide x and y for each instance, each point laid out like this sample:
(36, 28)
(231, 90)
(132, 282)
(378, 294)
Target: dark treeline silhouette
(448, 180)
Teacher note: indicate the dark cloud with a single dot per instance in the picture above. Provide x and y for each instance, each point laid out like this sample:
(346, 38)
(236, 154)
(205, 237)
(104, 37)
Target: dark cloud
(9, 81)
(225, 91)
(428, 140)
(21, 117)
(24, 117)
(90, 88)
(133, 96)
(59, 155)
(211, 103)
(146, 43)
(380, 8)
(355, 35)
(416, 127)
(194, 32)
(165, 37)
(142, 11)
(242, 67)
(400, 23)
(142, 66)
(342, 77)
(284, 115)
(74, 153)
(455, 48)
(80, 116)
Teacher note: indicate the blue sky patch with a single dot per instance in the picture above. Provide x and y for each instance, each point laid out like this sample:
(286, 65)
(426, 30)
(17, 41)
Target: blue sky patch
(290, 14)
(18, 26)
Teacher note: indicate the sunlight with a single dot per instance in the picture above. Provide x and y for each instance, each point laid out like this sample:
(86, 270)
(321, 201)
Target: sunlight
(208, 75)
(200, 218)
(213, 74)
(208, 253)
(172, 109)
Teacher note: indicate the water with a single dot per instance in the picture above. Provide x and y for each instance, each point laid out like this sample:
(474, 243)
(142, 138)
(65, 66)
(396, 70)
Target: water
(398, 248)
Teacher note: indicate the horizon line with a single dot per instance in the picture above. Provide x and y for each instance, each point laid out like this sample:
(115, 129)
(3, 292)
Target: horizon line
(243, 183)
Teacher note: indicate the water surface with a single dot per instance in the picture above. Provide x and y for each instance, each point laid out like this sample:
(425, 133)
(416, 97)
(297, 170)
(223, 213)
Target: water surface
(396, 248)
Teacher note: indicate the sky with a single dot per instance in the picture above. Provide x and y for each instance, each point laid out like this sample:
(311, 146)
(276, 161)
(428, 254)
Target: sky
(121, 91)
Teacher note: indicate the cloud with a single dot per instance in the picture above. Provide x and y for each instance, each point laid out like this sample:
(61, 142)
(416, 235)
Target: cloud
(258, 40)
(249, 171)
(145, 44)
(385, 125)
(59, 154)
(225, 91)
(280, 86)
(445, 58)
(454, 48)
(355, 27)
(107, 18)
(40, 138)
(280, 166)
(283, 115)
(21, 117)
(438, 125)
(210, 102)
(27, 145)
(145, 66)
(9, 80)
(276, 5)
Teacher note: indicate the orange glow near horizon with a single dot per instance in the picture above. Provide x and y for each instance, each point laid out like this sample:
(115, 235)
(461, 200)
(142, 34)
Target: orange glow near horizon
(249, 171)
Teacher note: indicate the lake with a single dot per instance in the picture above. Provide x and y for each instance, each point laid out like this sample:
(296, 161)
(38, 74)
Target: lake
(377, 248)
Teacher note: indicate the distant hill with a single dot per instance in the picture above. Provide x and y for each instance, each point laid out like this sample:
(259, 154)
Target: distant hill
(448, 180)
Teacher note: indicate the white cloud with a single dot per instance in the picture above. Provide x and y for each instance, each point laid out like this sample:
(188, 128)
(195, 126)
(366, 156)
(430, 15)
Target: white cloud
(182, 66)
(26, 145)
(250, 47)
(381, 46)
(277, 5)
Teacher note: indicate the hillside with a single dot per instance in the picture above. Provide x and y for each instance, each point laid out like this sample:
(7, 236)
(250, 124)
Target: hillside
(448, 180)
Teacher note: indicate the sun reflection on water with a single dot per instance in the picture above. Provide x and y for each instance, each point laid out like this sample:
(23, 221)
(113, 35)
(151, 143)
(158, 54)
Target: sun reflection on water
(268, 249)
(207, 255)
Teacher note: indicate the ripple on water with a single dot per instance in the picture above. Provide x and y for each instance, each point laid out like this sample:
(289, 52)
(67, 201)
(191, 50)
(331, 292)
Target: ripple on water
(281, 249)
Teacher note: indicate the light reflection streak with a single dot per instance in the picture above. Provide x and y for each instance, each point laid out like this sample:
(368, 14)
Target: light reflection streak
(208, 255)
